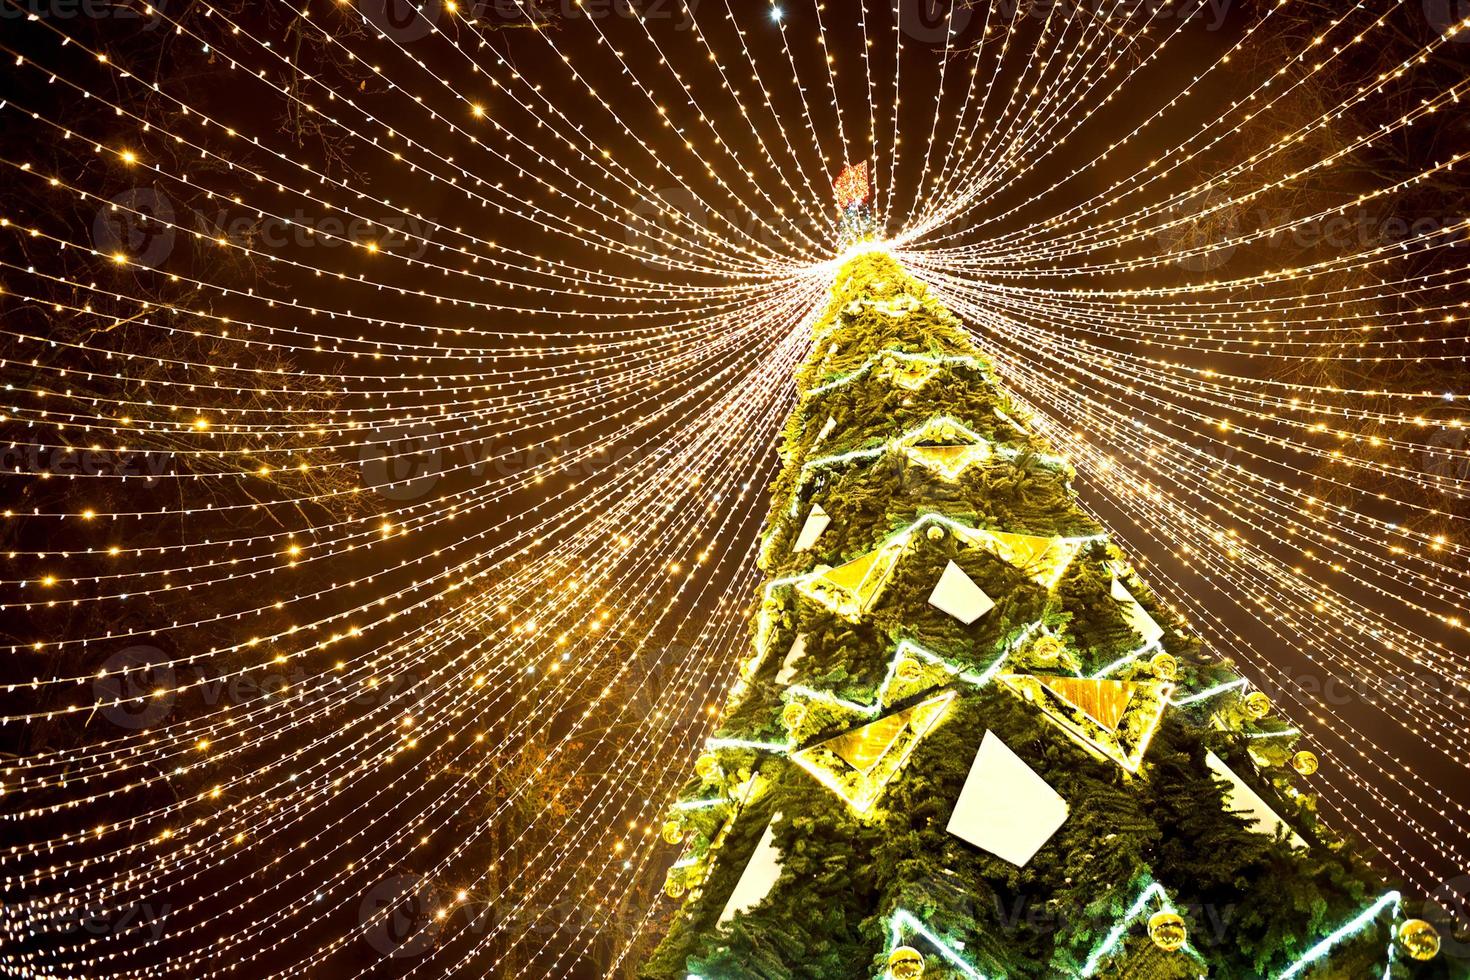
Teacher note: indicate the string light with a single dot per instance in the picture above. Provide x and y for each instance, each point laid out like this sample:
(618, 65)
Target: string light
(591, 336)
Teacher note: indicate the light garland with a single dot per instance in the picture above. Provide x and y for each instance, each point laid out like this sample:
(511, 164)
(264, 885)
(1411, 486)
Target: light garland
(614, 238)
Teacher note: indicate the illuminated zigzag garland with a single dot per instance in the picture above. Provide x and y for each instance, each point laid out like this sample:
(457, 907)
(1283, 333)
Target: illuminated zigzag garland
(859, 748)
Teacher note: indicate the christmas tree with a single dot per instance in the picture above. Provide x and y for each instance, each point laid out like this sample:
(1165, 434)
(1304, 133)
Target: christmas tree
(970, 742)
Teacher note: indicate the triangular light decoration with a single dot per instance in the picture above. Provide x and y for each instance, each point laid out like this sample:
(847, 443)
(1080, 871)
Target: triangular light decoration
(909, 373)
(1042, 558)
(759, 877)
(861, 748)
(946, 447)
(1137, 617)
(948, 461)
(1000, 414)
(1115, 719)
(1103, 701)
(850, 589)
(1240, 798)
(858, 764)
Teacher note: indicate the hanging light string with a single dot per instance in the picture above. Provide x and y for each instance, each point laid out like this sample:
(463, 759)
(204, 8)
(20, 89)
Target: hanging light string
(1102, 370)
(1201, 548)
(268, 638)
(1169, 161)
(812, 248)
(504, 616)
(707, 384)
(960, 191)
(1302, 503)
(1015, 129)
(508, 203)
(1240, 395)
(541, 107)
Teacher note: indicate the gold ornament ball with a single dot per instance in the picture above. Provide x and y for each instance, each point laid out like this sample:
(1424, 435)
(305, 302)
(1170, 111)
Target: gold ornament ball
(1048, 649)
(910, 669)
(1164, 666)
(674, 886)
(1257, 705)
(935, 532)
(793, 715)
(1304, 762)
(1167, 930)
(1419, 939)
(673, 832)
(707, 766)
(905, 963)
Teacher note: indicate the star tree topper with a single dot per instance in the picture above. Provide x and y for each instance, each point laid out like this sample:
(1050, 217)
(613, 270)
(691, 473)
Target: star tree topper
(852, 186)
(854, 191)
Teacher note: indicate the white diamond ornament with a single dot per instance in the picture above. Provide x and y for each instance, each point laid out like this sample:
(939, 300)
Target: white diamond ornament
(1138, 618)
(1242, 799)
(957, 594)
(1005, 807)
(787, 673)
(816, 522)
(759, 876)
